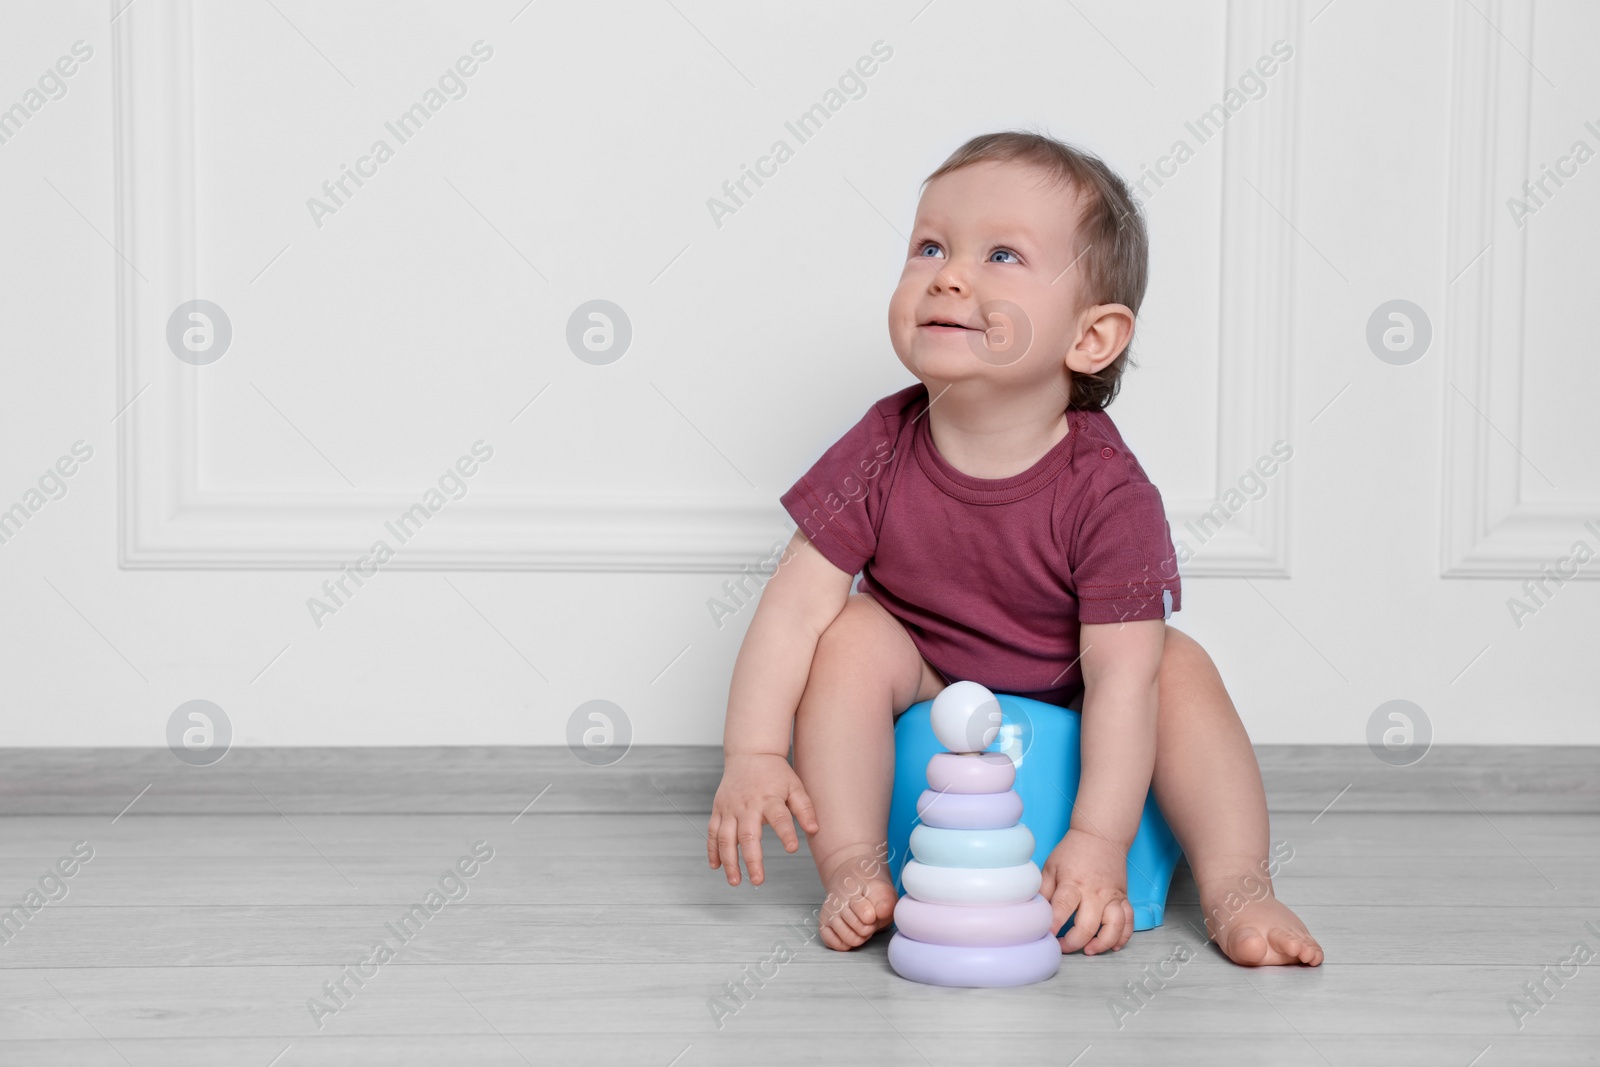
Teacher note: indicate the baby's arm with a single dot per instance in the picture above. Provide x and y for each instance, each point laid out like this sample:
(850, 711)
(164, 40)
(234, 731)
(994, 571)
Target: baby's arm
(1121, 662)
(758, 785)
(1086, 873)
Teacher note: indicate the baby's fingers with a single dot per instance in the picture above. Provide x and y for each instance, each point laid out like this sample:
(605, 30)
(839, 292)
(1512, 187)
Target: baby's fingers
(800, 804)
(1110, 935)
(1085, 924)
(750, 841)
(1063, 902)
(1047, 884)
(1127, 930)
(728, 849)
(778, 816)
(711, 840)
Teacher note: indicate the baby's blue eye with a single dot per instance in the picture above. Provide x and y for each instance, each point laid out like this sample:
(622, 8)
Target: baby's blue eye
(924, 247)
(1002, 252)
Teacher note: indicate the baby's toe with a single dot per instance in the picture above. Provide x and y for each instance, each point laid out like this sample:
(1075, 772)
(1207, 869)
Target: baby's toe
(849, 920)
(1248, 947)
(841, 915)
(879, 903)
(1303, 947)
(831, 938)
(886, 899)
(1287, 944)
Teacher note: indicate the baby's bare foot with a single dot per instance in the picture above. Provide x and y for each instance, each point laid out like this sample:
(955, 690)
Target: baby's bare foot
(1257, 932)
(860, 899)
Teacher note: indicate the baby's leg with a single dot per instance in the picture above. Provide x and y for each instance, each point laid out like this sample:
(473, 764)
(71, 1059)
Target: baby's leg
(865, 671)
(1209, 788)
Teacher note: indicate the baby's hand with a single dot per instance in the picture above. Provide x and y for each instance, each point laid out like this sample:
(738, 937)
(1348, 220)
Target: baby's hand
(755, 788)
(1087, 875)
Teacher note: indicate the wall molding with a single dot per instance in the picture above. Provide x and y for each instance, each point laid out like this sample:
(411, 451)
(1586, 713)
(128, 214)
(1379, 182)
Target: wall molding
(1487, 529)
(1256, 305)
(167, 522)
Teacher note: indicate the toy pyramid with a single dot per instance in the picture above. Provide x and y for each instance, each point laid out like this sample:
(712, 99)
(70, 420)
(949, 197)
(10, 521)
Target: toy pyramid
(971, 914)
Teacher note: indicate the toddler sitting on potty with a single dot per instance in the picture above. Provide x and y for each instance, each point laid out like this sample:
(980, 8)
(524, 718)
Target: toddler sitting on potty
(1005, 535)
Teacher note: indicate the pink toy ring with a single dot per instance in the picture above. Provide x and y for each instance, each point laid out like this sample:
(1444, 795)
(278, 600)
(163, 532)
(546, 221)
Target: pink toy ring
(982, 772)
(970, 811)
(953, 965)
(973, 925)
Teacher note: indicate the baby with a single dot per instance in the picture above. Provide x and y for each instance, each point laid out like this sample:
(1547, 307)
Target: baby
(1005, 535)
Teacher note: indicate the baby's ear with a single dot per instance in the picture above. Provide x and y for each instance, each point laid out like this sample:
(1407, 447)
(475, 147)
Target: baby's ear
(1105, 331)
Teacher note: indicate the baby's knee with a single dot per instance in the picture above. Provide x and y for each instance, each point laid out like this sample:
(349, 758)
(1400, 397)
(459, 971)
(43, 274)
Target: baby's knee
(1183, 658)
(849, 630)
(867, 644)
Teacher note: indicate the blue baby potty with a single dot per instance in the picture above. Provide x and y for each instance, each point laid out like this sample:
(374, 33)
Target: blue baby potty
(1043, 741)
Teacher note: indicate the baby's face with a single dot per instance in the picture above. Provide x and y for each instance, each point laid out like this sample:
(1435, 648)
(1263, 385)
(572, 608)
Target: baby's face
(990, 240)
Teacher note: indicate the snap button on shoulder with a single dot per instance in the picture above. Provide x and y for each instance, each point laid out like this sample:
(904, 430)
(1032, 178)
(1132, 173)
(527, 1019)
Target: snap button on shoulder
(1107, 452)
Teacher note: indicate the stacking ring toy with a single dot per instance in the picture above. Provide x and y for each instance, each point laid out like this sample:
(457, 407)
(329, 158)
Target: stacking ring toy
(967, 858)
(966, 925)
(970, 811)
(972, 885)
(1043, 743)
(948, 965)
(1005, 847)
(982, 772)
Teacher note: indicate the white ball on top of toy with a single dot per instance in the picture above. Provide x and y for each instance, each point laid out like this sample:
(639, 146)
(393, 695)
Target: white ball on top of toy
(965, 717)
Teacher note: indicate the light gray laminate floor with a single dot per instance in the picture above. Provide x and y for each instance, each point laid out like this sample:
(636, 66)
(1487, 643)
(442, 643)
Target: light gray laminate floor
(220, 902)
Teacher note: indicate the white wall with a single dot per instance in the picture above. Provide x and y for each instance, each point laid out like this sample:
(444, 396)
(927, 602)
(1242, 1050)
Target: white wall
(371, 347)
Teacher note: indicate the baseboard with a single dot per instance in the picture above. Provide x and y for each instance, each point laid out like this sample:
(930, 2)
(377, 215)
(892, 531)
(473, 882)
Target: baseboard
(664, 779)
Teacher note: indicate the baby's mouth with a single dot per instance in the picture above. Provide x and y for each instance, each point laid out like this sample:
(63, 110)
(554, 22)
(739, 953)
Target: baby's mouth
(942, 325)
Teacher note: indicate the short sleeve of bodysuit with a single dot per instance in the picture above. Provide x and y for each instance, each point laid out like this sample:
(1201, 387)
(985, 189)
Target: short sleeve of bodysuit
(1121, 554)
(838, 503)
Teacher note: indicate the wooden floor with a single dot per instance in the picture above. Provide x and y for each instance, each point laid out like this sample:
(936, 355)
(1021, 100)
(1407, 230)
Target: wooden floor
(222, 902)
